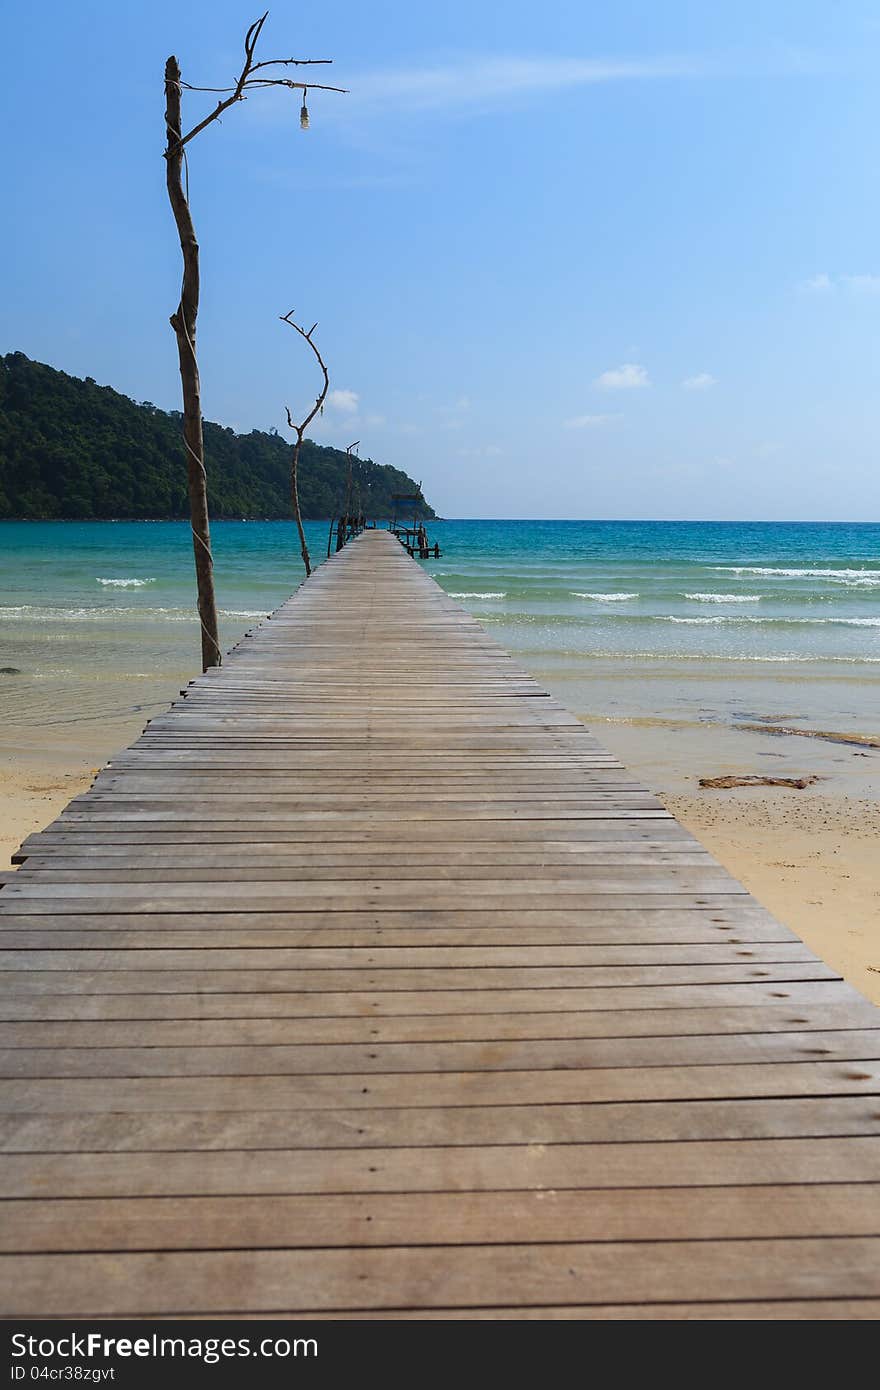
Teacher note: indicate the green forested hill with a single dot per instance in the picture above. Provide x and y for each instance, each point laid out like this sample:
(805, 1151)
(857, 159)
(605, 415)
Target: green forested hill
(73, 449)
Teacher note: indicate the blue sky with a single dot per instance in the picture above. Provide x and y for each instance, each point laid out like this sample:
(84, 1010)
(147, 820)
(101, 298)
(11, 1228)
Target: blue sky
(567, 259)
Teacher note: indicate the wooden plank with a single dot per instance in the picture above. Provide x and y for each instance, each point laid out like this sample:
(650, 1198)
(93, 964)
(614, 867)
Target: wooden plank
(674, 1023)
(495, 1168)
(369, 1090)
(265, 1281)
(461, 1218)
(405, 958)
(634, 1123)
(489, 1055)
(376, 1005)
(109, 931)
(806, 1310)
(475, 980)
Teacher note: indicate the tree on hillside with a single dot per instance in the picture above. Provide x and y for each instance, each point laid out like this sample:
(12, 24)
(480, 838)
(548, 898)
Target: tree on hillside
(72, 449)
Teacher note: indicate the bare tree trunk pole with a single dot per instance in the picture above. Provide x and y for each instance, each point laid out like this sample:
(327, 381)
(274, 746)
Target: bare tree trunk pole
(183, 321)
(294, 491)
(300, 431)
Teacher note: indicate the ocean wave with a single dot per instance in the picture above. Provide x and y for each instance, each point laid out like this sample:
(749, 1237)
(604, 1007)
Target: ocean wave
(31, 612)
(35, 614)
(725, 598)
(867, 576)
(659, 656)
(126, 583)
(777, 622)
(700, 622)
(604, 598)
(469, 593)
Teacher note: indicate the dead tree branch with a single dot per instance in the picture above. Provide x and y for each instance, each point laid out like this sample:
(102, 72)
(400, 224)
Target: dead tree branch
(247, 82)
(300, 428)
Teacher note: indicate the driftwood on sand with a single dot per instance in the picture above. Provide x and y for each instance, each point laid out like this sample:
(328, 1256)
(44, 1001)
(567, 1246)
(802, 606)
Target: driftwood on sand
(756, 781)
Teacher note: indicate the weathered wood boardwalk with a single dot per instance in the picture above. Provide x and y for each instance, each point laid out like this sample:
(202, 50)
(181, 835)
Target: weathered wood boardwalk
(366, 983)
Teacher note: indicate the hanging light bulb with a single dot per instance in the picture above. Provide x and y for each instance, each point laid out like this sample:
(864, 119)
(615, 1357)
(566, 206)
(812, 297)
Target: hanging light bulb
(304, 112)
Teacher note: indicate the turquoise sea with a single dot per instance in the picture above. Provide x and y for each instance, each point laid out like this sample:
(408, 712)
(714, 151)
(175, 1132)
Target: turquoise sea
(625, 620)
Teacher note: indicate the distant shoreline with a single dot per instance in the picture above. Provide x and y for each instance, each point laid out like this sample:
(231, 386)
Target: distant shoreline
(468, 520)
(146, 520)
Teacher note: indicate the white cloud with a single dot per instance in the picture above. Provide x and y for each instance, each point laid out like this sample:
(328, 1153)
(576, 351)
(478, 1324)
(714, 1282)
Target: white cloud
(588, 422)
(484, 82)
(701, 382)
(853, 284)
(452, 417)
(458, 407)
(374, 420)
(344, 401)
(817, 284)
(862, 284)
(623, 378)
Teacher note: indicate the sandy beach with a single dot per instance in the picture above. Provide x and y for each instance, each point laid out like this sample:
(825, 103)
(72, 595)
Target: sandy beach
(31, 798)
(810, 859)
(808, 855)
(42, 769)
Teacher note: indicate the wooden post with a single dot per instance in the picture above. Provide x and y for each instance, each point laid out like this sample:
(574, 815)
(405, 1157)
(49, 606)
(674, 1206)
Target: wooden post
(350, 449)
(300, 432)
(183, 321)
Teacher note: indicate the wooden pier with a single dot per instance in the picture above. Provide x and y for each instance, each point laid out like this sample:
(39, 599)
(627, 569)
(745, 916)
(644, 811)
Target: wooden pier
(366, 983)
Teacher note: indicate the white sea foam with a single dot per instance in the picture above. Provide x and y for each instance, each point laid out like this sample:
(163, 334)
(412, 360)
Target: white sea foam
(724, 598)
(472, 593)
(31, 612)
(781, 658)
(843, 575)
(604, 598)
(35, 614)
(779, 622)
(126, 583)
